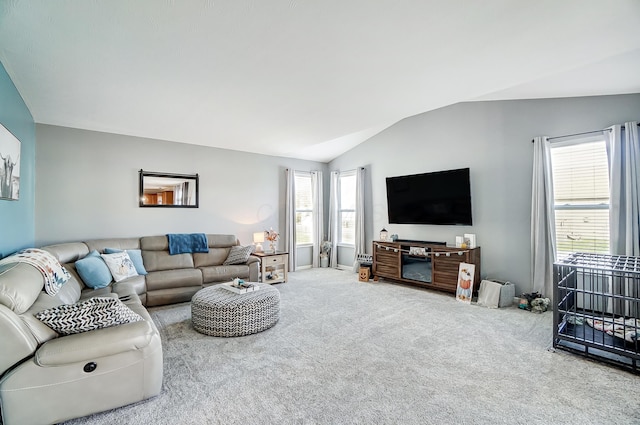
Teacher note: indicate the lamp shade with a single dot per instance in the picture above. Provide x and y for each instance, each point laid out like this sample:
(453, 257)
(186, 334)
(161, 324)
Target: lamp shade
(258, 237)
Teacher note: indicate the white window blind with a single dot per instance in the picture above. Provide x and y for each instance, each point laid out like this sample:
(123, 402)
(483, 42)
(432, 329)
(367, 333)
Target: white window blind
(581, 197)
(304, 208)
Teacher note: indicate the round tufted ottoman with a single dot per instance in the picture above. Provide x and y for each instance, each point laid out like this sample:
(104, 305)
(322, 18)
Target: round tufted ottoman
(217, 311)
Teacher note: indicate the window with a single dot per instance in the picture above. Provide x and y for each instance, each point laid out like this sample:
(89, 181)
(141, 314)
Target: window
(304, 208)
(581, 197)
(347, 209)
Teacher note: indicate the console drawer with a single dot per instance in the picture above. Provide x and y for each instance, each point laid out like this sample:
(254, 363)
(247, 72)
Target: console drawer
(274, 260)
(387, 270)
(446, 266)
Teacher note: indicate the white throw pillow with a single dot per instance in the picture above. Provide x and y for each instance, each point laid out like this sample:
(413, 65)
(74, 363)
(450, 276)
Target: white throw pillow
(120, 265)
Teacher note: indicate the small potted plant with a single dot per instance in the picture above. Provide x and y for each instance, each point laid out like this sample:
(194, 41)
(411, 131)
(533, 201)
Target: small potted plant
(325, 249)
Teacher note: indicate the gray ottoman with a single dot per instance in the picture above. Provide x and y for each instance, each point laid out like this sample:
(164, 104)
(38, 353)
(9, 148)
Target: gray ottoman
(217, 311)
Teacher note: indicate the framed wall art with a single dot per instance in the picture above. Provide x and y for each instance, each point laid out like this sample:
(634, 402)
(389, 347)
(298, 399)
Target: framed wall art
(9, 165)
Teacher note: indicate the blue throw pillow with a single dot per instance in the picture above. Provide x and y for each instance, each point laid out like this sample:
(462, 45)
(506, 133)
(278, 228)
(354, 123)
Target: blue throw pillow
(94, 271)
(134, 254)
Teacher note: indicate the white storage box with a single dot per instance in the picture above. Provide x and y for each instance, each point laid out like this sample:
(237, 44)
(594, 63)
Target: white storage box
(494, 293)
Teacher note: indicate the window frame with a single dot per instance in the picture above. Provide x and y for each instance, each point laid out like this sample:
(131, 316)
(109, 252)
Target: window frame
(303, 174)
(577, 206)
(350, 173)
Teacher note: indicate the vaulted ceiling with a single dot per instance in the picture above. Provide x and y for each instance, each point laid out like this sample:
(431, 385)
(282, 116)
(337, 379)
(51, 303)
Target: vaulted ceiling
(304, 79)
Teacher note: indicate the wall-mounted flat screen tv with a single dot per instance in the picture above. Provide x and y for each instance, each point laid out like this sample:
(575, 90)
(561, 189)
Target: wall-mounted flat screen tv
(442, 197)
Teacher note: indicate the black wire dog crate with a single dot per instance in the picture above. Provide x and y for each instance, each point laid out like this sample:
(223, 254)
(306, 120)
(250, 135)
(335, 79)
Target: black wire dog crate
(597, 312)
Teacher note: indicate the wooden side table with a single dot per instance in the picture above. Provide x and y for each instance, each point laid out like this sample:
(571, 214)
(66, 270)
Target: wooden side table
(274, 266)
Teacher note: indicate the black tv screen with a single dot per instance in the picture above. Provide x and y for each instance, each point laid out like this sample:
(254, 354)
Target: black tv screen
(442, 197)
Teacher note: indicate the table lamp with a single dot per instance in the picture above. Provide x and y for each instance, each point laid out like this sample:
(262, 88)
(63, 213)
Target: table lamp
(258, 238)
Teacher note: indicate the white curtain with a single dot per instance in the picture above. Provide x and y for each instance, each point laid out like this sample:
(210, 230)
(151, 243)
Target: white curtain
(191, 198)
(334, 225)
(318, 215)
(290, 218)
(543, 246)
(185, 193)
(177, 194)
(624, 210)
(181, 194)
(359, 222)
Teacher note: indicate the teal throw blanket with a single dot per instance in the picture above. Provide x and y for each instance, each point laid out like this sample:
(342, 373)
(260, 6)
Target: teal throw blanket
(181, 243)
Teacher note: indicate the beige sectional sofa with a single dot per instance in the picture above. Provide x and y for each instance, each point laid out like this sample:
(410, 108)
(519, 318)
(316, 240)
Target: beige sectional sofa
(171, 278)
(46, 378)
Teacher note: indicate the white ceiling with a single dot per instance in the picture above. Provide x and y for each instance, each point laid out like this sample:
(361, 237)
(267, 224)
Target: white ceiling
(304, 79)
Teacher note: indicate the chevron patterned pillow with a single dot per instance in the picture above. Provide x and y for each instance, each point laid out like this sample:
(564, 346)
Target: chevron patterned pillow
(239, 254)
(94, 313)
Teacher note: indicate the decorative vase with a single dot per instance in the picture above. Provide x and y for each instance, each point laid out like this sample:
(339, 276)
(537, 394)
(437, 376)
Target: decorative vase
(272, 246)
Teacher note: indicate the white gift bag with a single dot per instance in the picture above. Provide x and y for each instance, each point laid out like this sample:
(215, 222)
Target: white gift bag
(494, 293)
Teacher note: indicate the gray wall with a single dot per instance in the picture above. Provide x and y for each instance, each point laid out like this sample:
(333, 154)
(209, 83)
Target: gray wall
(87, 182)
(493, 139)
(16, 217)
(87, 187)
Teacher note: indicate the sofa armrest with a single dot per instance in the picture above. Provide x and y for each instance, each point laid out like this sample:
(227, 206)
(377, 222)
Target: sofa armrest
(254, 268)
(17, 340)
(94, 344)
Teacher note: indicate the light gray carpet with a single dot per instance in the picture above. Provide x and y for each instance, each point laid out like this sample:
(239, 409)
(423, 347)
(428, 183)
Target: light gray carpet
(347, 352)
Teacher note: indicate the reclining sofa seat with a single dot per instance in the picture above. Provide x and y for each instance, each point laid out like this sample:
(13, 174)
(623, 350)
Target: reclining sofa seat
(45, 378)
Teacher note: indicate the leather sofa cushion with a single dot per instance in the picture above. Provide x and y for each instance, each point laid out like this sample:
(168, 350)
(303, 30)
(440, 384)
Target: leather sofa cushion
(173, 279)
(20, 285)
(219, 274)
(71, 290)
(68, 252)
(171, 295)
(40, 331)
(126, 288)
(135, 305)
(30, 282)
(118, 243)
(107, 291)
(161, 260)
(221, 241)
(154, 243)
(214, 257)
(136, 282)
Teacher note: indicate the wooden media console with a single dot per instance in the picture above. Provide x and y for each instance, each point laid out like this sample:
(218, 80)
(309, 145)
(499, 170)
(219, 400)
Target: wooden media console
(426, 264)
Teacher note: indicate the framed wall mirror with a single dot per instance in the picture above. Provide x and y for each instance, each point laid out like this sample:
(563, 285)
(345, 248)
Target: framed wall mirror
(166, 190)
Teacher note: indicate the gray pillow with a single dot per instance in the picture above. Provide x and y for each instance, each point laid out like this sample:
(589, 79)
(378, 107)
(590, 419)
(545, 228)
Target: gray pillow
(94, 313)
(238, 254)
